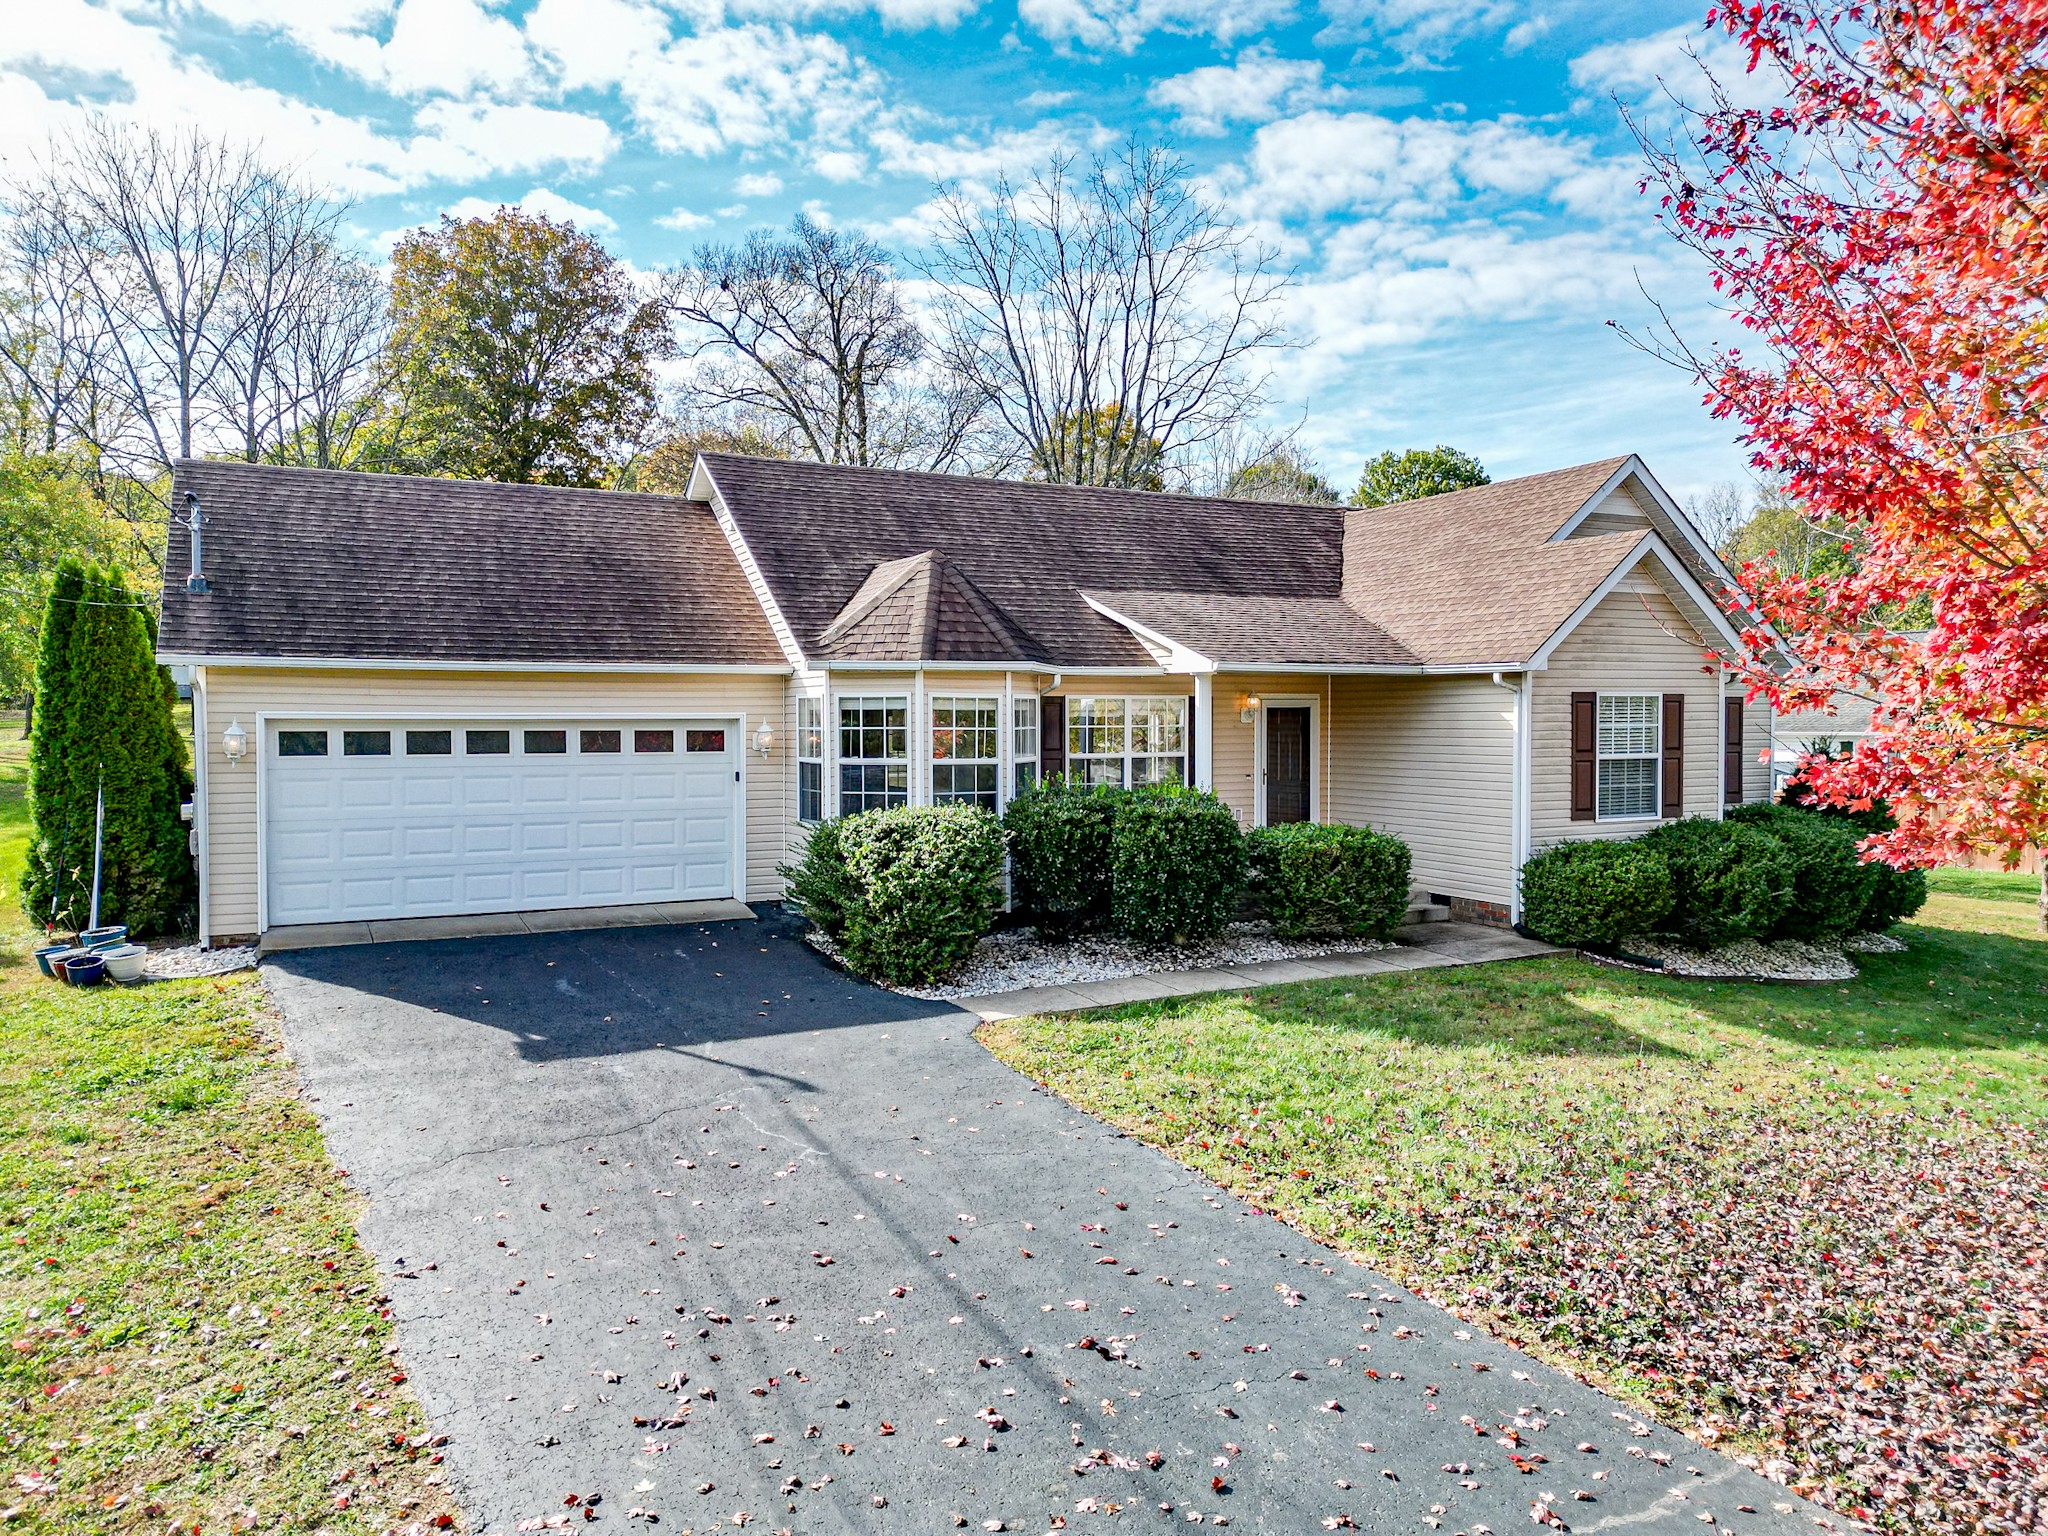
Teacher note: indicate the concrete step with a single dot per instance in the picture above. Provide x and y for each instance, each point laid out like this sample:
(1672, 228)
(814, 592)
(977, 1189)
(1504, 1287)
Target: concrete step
(1427, 912)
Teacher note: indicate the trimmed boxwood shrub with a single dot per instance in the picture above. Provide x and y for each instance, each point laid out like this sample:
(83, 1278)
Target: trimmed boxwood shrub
(1177, 865)
(1060, 854)
(1595, 892)
(1828, 900)
(817, 884)
(1729, 881)
(1831, 885)
(924, 883)
(1342, 880)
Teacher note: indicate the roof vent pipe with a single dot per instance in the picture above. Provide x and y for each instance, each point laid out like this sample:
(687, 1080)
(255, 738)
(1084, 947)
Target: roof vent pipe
(196, 580)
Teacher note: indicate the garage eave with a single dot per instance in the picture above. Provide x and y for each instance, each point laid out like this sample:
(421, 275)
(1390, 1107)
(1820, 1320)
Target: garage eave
(418, 664)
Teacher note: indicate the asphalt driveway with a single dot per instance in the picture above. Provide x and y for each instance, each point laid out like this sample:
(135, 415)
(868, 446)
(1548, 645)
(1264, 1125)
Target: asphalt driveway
(682, 1221)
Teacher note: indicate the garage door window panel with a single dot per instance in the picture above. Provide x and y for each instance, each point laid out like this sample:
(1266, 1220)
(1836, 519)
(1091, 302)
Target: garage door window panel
(545, 743)
(597, 742)
(486, 743)
(301, 743)
(429, 743)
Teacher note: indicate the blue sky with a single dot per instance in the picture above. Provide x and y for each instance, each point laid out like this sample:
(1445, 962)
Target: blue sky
(1451, 179)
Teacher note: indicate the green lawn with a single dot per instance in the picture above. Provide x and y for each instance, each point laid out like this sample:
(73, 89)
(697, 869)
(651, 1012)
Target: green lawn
(1790, 1219)
(195, 1339)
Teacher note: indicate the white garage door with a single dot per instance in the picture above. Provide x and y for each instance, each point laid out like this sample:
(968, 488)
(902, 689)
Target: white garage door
(426, 819)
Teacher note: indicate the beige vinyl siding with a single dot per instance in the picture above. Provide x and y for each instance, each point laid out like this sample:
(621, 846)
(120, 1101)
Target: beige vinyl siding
(1756, 743)
(1431, 760)
(1233, 763)
(1635, 641)
(280, 693)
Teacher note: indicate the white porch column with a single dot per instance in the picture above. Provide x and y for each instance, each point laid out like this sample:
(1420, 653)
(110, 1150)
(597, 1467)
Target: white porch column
(1205, 730)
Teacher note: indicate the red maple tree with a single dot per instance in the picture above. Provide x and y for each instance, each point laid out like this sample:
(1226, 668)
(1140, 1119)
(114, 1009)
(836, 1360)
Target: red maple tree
(1882, 234)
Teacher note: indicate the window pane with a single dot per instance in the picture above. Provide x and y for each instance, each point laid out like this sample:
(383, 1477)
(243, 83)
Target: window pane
(1628, 786)
(1099, 770)
(665, 741)
(545, 743)
(301, 743)
(486, 743)
(365, 743)
(1027, 774)
(429, 743)
(810, 791)
(1628, 725)
(597, 741)
(810, 729)
(693, 741)
(1158, 770)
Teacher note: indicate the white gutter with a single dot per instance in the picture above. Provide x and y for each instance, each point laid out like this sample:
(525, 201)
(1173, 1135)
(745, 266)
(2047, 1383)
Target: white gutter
(408, 664)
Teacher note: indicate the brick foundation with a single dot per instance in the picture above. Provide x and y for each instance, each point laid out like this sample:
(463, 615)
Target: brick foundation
(1492, 913)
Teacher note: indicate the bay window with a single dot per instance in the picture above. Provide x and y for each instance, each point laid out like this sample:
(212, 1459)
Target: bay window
(810, 759)
(964, 765)
(1024, 744)
(874, 754)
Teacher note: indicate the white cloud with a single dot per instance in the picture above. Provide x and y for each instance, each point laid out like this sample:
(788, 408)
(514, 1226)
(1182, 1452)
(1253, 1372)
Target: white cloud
(758, 184)
(715, 87)
(683, 218)
(1255, 89)
(1419, 29)
(1641, 68)
(1045, 101)
(1322, 163)
(840, 165)
(906, 15)
(1121, 25)
(472, 138)
(542, 201)
(452, 47)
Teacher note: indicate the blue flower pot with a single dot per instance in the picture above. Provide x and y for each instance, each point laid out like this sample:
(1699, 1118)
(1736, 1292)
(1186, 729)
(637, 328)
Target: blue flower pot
(86, 970)
(43, 958)
(104, 938)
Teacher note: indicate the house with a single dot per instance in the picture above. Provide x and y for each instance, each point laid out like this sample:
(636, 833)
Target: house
(424, 697)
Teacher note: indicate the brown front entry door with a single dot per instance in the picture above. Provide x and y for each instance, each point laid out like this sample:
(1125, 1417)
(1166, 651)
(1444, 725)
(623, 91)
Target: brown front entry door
(1286, 765)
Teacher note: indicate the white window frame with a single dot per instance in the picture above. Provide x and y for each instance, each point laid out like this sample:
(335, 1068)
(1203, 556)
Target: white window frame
(891, 796)
(810, 752)
(1026, 720)
(1655, 757)
(952, 703)
(1125, 757)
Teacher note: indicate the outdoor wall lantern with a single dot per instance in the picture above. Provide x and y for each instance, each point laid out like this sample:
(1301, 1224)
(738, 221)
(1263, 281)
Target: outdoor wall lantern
(764, 738)
(234, 741)
(1247, 708)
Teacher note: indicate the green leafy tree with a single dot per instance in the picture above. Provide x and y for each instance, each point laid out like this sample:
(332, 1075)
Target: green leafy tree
(1100, 447)
(521, 350)
(1417, 473)
(47, 510)
(105, 725)
(1784, 539)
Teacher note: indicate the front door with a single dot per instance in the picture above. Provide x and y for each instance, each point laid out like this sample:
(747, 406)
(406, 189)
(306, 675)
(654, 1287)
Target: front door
(1287, 787)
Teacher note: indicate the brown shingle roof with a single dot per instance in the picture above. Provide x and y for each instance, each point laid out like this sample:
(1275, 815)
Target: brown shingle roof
(324, 563)
(1468, 578)
(817, 531)
(923, 607)
(1263, 631)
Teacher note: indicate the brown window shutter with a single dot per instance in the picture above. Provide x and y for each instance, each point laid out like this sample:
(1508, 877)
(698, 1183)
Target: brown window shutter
(1731, 752)
(1585, 763)
(1052, 737)
(1674, 754)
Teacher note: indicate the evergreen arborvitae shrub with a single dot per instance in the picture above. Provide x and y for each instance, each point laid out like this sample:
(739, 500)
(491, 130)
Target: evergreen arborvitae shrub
(1329, 880)
(924, 883)
(1059, 836)
(104, 719)
(1177, 866)
(1729, 881)
(818, 884)
(1598, 891)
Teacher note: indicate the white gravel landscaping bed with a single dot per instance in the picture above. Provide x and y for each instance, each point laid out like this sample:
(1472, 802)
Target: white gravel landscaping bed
(1017, 958)
(191, 960)
(1755, 960)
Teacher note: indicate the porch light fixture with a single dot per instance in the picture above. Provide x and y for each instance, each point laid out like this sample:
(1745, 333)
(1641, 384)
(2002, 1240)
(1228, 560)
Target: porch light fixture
(1247, 708)
(234, 741)
(764, 738)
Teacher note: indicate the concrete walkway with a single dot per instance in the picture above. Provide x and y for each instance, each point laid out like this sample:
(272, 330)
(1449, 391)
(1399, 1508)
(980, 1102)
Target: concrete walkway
(412, 930)
(1422, 947)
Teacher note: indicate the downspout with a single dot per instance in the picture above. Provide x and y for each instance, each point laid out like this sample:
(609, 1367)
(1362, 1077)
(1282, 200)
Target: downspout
(1518, 790)
(201, 843)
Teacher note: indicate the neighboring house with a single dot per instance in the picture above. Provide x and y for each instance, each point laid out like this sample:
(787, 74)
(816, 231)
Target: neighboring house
(1800, 734)
(463, 698)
